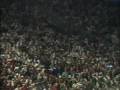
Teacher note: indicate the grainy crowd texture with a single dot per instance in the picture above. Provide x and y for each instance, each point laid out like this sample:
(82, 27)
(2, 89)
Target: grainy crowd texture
(60, 45)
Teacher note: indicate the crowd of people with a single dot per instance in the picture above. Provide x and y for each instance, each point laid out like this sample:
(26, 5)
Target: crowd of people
(59, 45)
(48, 60)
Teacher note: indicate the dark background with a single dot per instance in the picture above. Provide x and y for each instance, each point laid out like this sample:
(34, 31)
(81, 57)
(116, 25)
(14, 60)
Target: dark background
(66, 16)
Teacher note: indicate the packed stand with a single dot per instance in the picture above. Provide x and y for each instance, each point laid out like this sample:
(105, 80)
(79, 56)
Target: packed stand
(33, 56)
(47, 60)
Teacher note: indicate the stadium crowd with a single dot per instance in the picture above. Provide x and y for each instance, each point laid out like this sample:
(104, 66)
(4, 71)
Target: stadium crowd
(48, 60)
(34, 56)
